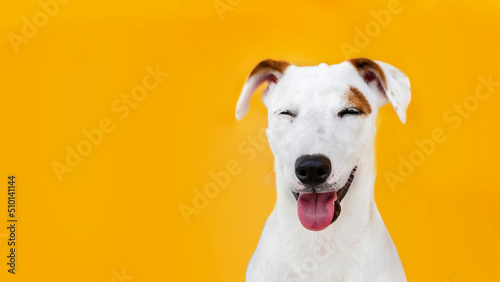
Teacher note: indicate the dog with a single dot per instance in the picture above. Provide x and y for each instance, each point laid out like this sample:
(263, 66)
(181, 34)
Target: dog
(321, 130)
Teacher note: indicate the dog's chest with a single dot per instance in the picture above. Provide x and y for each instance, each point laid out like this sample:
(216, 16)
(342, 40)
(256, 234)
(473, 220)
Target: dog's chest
(319, 258)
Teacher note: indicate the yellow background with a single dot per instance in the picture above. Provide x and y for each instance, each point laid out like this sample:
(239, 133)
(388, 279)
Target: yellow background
(119, 209)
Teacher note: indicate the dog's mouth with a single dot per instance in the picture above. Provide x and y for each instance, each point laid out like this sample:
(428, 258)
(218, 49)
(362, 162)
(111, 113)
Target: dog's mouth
(318, 210)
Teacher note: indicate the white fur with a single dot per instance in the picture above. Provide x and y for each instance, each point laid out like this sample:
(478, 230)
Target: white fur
(356, 247)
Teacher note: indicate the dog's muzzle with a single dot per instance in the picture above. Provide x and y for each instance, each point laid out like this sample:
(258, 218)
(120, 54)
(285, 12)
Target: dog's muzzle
(317, 208)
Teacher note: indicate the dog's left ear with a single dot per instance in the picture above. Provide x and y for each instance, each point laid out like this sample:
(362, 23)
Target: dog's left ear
(391, 83)
(269, 71)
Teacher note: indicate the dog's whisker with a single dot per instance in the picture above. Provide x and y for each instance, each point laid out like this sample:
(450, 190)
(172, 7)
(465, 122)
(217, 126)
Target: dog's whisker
(269, 174)
(258, 127)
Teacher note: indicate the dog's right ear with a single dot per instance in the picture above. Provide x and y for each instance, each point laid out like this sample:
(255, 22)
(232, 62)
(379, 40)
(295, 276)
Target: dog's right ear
(269, 71)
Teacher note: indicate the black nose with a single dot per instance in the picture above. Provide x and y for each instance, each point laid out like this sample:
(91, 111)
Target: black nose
(312, 169)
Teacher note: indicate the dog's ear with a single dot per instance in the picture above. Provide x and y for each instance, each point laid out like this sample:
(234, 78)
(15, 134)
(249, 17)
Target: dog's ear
(391, 83)
(269, 71)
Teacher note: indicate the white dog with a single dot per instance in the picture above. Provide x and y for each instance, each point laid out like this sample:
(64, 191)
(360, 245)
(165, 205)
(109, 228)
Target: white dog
(321, 132)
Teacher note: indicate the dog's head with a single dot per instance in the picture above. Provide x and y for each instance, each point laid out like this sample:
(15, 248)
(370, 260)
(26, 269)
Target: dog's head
(321, 124)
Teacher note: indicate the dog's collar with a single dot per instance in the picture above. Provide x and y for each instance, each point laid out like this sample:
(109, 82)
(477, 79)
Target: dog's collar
(340, 195)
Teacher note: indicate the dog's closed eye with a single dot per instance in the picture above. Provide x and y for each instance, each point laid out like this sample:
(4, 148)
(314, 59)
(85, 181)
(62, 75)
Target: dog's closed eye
(350, 111)
(286, 113)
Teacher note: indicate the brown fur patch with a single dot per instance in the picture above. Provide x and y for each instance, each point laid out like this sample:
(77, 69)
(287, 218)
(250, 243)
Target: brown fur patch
(358, 100)
(364, 65)
(270, 65)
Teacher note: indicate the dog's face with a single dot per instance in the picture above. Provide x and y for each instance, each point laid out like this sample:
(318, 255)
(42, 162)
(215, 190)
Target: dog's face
(321, 123)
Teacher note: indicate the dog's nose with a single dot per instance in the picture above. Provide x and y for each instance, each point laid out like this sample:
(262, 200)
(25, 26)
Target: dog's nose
(312, 169)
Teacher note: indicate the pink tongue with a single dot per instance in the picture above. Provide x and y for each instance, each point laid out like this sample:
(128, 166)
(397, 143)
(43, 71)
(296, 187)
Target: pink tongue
(316, 209)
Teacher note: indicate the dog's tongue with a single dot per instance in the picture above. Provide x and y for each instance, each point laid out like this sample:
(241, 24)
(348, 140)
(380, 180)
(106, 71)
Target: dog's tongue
(316, 209)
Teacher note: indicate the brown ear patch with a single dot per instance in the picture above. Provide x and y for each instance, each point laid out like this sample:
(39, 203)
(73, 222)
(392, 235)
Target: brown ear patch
(270, 65)
(370, 70)
(356, 99)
